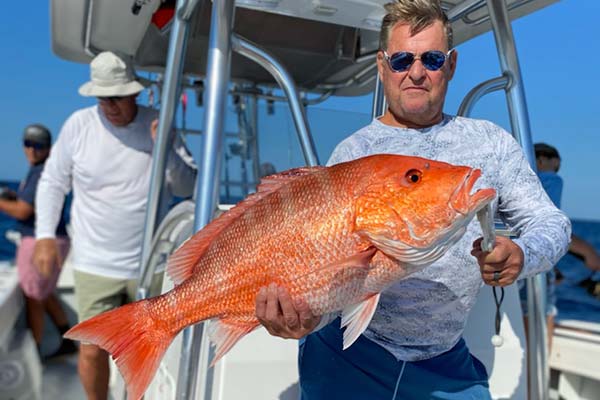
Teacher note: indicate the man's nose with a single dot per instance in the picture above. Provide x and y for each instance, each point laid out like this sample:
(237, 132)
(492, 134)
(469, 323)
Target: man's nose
(417, 70)
(111, 105)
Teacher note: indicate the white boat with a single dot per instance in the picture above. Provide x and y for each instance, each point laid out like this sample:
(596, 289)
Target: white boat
(313, 50)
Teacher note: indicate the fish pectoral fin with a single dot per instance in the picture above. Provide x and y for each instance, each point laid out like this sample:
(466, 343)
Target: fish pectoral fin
(225, 333)
(357, 317)
(359, 260)
(358, 263)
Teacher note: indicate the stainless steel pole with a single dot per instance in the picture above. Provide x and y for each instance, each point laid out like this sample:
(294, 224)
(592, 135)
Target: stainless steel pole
(519, 119)
(275, 68)
(252, 112)
(489, 86)
(169, 96)
(191, 371)
(379, 101)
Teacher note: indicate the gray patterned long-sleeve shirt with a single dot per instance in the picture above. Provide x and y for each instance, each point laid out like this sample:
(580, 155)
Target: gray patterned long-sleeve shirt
(424, 315)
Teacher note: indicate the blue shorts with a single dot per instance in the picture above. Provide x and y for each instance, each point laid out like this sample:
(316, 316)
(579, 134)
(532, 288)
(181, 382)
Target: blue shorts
(368, 371)
(550, 294)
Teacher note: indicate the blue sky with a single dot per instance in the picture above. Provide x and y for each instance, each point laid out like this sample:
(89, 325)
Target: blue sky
(560, 62)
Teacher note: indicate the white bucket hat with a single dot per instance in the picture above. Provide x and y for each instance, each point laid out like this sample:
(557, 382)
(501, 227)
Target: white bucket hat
(110, 76)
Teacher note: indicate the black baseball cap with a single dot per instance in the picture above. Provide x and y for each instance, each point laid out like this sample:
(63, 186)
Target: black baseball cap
(37, 134)
(545, 150)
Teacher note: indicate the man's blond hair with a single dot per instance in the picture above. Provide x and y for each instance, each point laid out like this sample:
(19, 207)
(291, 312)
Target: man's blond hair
(418, 14)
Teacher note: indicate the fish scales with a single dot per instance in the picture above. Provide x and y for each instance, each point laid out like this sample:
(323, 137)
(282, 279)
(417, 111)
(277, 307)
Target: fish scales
(334, 237)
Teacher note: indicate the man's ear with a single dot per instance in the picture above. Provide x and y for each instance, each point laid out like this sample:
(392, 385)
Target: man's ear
(453, 59)
(380, 63)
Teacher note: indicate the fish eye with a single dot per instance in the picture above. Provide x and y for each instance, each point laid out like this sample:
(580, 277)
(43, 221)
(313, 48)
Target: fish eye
(413, 176)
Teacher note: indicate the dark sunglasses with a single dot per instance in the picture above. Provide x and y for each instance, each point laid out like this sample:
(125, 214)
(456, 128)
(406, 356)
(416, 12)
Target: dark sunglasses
(402, 60)
(34, 145)
(111, 99)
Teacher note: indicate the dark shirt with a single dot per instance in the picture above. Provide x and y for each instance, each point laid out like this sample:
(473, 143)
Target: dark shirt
(26, 192)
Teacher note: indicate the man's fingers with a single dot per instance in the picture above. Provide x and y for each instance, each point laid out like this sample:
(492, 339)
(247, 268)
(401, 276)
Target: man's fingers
(307, 319)
(261, 304)
(290, 316)
(273, 310)
(492, 267)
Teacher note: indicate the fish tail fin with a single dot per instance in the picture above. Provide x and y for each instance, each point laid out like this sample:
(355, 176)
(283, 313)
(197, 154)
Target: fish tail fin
(135, 340)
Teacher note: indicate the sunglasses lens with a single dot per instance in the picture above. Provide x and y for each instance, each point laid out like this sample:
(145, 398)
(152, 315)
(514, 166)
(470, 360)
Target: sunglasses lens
(110, 99)
(401, 61)
(36, 146)
(433, 60)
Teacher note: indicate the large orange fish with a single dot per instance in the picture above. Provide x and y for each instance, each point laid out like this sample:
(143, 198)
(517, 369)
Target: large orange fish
(335, 236)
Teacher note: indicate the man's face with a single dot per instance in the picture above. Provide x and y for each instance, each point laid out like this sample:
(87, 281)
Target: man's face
(416, 96)
(119, 111)
(547, 164)
(36, 155)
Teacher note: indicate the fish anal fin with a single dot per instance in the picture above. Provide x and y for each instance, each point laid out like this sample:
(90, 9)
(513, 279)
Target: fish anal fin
(356, 318)
(182, 262)
(225, 333)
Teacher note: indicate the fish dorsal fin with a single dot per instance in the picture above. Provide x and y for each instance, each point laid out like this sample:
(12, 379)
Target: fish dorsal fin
(182, 262)
(270, 183)
(225, 333)
(357, 317)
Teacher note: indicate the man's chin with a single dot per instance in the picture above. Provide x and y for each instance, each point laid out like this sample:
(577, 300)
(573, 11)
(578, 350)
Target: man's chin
(116, 122)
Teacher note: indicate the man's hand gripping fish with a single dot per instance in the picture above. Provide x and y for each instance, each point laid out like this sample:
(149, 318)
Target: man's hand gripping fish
(333, 236)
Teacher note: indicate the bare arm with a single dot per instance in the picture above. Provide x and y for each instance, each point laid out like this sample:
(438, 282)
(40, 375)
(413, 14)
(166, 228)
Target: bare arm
(586, 251)
(181, 169)
(17, 209)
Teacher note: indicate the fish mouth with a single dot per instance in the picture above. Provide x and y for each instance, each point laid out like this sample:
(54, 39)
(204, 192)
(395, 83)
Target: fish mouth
(463, 202)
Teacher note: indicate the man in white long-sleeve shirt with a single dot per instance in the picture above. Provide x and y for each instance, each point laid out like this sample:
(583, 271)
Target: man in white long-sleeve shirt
(413, 347)
(104, 154)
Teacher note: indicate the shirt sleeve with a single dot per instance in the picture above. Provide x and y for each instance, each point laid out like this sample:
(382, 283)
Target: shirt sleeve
(347, 150)
(553, 185)
(543, 231)
(181, 170)
(27, 192)
(55, 183)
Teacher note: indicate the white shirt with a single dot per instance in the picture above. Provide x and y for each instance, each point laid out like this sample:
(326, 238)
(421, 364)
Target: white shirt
(108, 169)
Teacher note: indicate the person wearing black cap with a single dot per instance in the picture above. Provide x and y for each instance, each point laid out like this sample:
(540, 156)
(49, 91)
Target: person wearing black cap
(38, 289)
(548, 163)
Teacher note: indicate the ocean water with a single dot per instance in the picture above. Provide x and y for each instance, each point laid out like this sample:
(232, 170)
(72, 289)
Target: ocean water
(573, 301)
(7, 249)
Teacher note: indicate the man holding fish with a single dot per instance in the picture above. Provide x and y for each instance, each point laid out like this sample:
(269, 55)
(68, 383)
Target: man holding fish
(413, 346)
(385, 240)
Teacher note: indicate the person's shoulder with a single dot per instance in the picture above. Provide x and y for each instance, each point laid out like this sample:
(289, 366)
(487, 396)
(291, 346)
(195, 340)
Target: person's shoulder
(83, 116)
(365, 132)
(36, 169)
(479, 127)
(86, 112)
(147, 112)
(475, 122)
(549, 176)
(355, 144)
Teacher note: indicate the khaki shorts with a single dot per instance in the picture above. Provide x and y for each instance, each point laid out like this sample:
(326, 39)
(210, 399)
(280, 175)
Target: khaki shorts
(96, 294)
